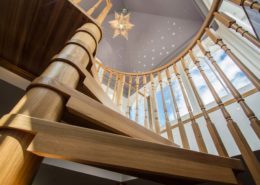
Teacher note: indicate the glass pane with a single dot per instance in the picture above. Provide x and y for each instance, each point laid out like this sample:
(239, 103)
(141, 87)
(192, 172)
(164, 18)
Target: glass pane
(201, 86)
(254, 18)
(234, 74)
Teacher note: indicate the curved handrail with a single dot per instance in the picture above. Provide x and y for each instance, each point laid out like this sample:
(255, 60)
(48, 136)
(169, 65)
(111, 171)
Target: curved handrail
(215, 5)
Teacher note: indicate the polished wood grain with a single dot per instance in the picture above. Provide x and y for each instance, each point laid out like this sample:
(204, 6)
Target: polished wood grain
(98, 114)
(184, 138)
(210, 125)
(88, 146)
(33, 31)
(166, 115)
(194, 124)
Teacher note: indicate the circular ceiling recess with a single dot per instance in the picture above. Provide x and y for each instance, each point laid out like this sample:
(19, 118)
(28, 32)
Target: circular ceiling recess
(162, 29)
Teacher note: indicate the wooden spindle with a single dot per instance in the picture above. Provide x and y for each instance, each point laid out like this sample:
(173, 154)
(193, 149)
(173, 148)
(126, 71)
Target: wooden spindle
(76, 1)
(194, 124)
(136, 98)
(182, 131)
(100, 19)
(166, 116)
(145, 103)
(247, 154)
(93, 8)
(240, 100)
(248, 3)
(231, 23)
(109, 81)
(128, 96)
(154, 106)
(243, 146)
(251, 76)
(210, 125)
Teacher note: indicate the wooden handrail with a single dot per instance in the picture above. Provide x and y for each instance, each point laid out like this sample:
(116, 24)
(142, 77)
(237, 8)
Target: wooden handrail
(214, 7)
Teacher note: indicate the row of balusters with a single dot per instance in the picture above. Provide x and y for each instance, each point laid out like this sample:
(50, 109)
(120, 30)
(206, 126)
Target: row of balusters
(121, 85)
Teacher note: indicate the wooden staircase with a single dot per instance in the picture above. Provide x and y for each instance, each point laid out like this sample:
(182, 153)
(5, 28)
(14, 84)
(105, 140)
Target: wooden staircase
(57, 41)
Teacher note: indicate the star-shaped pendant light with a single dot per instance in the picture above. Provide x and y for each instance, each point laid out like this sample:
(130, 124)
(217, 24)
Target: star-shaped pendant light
(121, 24)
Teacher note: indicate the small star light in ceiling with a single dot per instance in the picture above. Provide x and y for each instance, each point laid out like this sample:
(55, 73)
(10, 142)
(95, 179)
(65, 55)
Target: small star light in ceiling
(121, 24)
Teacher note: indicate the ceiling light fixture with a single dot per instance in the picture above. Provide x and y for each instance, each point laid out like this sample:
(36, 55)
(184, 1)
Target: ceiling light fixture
(121, 24)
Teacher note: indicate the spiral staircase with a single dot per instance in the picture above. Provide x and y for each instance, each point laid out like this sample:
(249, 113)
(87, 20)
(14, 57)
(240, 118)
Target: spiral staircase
(77, 109)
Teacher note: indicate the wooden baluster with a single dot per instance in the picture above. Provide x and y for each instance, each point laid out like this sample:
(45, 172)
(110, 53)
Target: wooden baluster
(251, 76)
(128, 97)
(109, 81)
(145, 103)
(243, 146)
(93, 8)
(250, 114)
(121, 92)
(104, 13)
(194, 124)
(154, 106)
(76, 1)
(17, 165)
(136, 98)
(115, 88)
(231, 23)
(184, 138)
(210, 125)
(248, 3)
(247, 154)
(166, 116)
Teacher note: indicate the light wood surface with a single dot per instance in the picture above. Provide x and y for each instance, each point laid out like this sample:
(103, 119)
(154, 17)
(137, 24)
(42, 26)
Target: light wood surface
(88, 146)
(111, 120)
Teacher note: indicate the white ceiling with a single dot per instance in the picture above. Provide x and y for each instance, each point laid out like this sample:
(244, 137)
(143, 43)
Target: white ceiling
(162, 29)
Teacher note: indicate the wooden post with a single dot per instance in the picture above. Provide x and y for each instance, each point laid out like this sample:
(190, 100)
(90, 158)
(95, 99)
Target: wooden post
(248, 3)
(128, 97)
(184, 138)
(93, 8)
(250, 114)
(167, 121)
(100, 19)
(194, 124)
(251, 76)
(145, 102)
(231, 23)
(136, 98)
(241, 142)
(76, 1)
(247, 154)
(17, 166)
(210, 125)
(154, 106)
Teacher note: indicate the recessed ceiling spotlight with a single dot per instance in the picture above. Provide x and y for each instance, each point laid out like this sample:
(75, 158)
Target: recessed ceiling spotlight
(173, 33)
